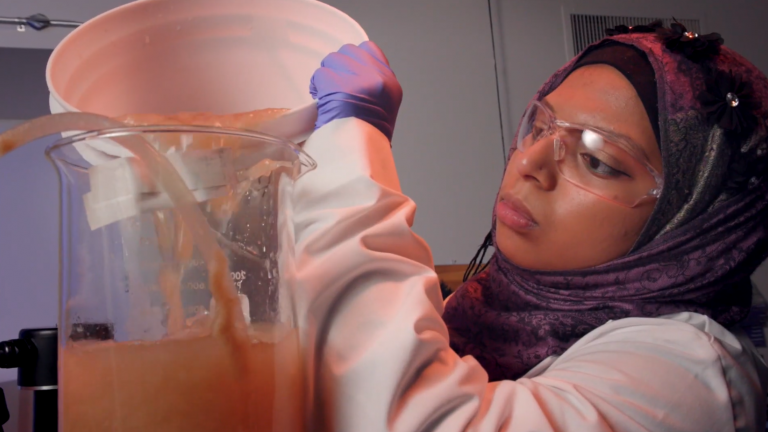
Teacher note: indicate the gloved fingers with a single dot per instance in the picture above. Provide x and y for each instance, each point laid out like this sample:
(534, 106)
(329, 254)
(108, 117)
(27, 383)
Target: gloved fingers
(340, 62)
(326, 80)
(312, 86)
(374, 50)
(365, 58)
(356, 81)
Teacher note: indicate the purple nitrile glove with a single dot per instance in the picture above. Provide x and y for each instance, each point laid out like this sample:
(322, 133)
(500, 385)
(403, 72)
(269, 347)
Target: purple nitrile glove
(357, 82)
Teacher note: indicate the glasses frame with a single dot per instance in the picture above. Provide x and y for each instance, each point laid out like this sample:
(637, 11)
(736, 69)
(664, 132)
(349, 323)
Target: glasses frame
(559, 149)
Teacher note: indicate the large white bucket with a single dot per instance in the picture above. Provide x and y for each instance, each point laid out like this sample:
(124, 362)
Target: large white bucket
(220, 56)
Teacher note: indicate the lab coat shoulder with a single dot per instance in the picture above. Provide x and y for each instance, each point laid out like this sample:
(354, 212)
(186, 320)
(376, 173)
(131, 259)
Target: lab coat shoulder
(370, 309)
(678, 373)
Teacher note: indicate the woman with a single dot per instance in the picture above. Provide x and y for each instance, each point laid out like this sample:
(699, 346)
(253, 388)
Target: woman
(631, 215)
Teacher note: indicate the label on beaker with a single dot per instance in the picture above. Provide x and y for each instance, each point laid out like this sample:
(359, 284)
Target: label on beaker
(238, 277)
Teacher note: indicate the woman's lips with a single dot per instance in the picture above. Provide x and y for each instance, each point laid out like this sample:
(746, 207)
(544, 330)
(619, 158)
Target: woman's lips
(513, 213)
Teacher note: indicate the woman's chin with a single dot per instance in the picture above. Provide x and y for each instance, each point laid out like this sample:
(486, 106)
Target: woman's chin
(518, 248)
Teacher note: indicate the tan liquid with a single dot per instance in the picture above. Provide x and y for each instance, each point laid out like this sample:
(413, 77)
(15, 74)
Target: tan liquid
(190, 384)
(247, 120)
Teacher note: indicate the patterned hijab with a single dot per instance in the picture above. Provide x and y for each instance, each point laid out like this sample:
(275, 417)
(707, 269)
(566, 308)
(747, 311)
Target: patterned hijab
(706, 236)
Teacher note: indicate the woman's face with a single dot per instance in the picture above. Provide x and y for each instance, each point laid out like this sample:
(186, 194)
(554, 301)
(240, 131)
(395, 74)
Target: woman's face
(574, 228)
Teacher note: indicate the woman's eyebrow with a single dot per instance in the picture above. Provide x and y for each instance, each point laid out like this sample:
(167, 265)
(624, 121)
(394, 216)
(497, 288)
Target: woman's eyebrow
(636, 147)
(549, 106)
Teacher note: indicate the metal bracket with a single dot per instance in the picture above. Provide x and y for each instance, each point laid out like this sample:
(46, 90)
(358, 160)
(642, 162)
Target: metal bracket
(37, 22)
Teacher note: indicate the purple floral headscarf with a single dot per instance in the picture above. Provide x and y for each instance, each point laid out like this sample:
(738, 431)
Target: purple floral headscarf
(707, 234)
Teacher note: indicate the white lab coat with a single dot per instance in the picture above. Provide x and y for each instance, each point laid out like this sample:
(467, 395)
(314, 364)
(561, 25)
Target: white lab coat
(370, 308)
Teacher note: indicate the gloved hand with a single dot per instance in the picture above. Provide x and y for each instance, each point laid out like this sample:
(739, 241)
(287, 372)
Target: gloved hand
(357, 82)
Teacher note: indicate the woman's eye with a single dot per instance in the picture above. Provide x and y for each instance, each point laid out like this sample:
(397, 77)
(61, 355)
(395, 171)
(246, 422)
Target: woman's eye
(539, 130)
(600, 168)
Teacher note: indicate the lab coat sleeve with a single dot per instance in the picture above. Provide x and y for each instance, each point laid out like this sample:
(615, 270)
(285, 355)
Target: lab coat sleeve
(370, 308)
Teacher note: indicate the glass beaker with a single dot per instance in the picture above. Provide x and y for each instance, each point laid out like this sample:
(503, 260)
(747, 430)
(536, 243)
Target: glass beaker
(138, 347)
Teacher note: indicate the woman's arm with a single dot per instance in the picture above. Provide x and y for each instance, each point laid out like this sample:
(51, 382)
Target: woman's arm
(370, 305)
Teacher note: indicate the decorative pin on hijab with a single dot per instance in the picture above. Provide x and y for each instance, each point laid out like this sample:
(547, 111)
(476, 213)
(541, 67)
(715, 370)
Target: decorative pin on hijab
(692, 45)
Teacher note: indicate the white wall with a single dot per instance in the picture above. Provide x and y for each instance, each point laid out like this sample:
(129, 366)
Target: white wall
(23, 93)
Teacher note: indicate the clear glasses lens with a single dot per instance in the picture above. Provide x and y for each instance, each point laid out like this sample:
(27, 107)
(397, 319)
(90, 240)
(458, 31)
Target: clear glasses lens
(589, 158)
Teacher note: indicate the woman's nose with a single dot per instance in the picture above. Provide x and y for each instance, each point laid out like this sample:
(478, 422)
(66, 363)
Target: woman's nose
(537, 164)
